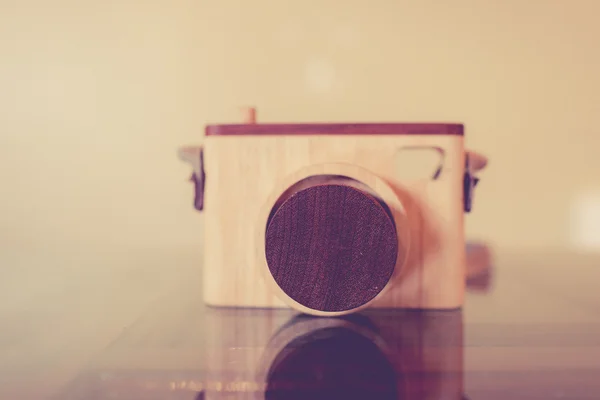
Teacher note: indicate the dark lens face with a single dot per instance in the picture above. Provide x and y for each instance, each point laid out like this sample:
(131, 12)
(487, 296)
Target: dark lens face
(331, 247)
(332, 363)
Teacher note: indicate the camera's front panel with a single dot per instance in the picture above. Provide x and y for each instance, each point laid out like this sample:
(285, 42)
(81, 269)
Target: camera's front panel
(322, 224)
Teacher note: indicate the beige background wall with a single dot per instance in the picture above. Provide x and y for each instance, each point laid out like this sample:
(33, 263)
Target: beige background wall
(95, 96)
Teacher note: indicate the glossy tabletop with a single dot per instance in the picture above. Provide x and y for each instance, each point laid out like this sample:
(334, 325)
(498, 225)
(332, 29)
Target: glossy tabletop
(130, 324)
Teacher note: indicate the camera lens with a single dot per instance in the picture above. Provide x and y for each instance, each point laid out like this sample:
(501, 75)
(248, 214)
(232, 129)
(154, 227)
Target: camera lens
(331, 244)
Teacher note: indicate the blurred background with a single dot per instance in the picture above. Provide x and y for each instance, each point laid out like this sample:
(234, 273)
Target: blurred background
(96, 96)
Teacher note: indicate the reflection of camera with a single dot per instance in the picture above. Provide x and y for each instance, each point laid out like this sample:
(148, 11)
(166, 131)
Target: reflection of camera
(314, 216)
(379, 355)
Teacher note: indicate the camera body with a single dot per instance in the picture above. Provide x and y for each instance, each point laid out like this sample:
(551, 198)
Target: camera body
(316, 216)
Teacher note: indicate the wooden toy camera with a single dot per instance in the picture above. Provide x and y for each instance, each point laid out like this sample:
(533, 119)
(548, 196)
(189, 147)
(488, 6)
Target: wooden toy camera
(328, 219)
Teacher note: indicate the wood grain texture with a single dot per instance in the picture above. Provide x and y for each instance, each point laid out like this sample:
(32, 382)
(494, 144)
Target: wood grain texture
(331, 246)
(535, 334)
(246, 175)
(336, 129)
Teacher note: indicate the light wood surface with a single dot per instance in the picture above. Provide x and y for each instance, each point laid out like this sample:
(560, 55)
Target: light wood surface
(246, 174)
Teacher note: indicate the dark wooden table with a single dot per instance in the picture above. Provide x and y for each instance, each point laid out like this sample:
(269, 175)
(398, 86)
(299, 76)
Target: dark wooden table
(130, 324)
